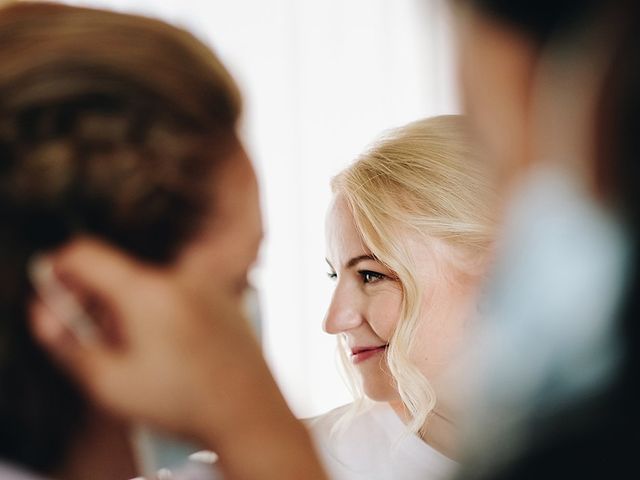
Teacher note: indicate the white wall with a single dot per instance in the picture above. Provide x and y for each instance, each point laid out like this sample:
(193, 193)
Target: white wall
(321, 79)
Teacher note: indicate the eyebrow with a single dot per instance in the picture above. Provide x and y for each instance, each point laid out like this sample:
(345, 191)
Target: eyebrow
(355, 260)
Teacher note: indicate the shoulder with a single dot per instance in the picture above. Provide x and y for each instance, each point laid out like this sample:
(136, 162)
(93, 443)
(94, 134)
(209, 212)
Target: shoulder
(351, 442)
(372, 443)
(348, 422)
(327, 420)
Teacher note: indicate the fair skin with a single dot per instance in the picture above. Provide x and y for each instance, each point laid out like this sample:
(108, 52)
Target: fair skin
(365, 310)
(497, 76)
(181, 355)
(525, 106)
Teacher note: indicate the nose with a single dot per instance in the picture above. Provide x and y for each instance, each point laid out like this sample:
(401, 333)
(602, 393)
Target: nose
(343, 313)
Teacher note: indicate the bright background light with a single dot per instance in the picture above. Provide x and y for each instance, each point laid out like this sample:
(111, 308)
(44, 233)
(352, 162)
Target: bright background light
(321, 79)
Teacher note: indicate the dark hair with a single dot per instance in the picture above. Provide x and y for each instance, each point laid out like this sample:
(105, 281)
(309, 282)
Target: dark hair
(111, 125)
(539, 19)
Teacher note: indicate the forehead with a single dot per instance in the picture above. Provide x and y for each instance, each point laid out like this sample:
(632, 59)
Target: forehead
(424, 254)
(342, 235)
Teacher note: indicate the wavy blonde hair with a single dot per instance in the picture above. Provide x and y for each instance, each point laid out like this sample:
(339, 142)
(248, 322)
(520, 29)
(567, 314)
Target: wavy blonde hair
(421, 181)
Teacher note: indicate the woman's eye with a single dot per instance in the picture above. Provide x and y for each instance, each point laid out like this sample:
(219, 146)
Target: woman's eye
(332, 275)
(371, 277)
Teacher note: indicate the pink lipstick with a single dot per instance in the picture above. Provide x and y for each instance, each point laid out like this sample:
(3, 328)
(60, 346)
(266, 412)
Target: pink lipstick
(360, 354)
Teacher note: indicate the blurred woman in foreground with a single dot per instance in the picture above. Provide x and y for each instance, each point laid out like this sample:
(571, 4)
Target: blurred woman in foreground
(129, 220)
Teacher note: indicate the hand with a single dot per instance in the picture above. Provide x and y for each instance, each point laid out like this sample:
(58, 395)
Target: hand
(169, 356)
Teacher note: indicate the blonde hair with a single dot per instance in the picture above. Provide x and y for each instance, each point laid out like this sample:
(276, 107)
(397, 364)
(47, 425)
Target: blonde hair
(419, 181)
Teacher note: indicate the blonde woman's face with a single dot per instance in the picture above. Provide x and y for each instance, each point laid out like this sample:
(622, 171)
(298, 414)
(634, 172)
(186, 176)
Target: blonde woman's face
(366, 307)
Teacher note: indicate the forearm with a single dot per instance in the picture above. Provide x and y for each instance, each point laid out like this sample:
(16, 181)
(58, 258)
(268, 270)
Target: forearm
(280, 451)
(258, 437)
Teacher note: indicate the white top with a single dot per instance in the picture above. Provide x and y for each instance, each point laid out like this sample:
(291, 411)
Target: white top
(376, 445)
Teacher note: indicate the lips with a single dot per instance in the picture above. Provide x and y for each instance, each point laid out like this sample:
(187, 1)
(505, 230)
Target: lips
(360, 354)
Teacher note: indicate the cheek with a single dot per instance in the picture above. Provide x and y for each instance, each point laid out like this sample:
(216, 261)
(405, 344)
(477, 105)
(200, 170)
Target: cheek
(384, 312)
(199, 271)
(444, 325)
(207, 266)
(489, 112)
(494, 70)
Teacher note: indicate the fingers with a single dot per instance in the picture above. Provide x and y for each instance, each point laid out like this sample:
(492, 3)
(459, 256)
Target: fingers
(97, 266)
(59, 298)
(92, 287)
(81, 299)
(52, 334)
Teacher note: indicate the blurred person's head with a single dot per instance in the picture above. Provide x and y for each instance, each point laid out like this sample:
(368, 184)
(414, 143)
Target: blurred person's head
(408, 236)
(545, 79)
(120, 128)
(554, 86)
(501, 45)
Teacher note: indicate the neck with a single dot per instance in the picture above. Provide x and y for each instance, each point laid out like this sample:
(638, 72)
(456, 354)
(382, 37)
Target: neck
(101, 452)
(439, 432)
(442, 434)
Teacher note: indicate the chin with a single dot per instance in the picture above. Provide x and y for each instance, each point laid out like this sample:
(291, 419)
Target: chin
(380, 391)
